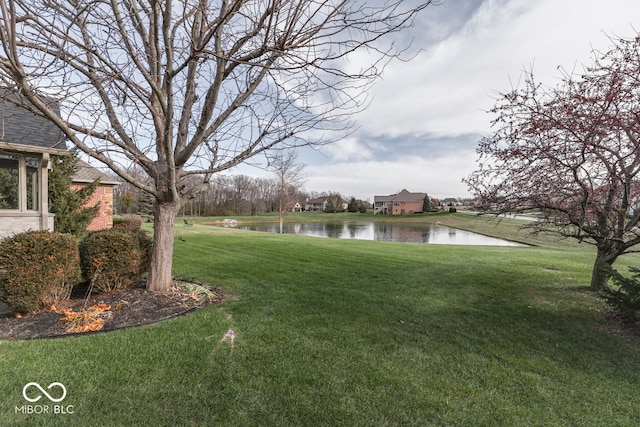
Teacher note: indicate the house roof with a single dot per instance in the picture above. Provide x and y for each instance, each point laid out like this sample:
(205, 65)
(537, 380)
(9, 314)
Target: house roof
(316, 201)
(87, 173)
(22, 127)
(402, 196)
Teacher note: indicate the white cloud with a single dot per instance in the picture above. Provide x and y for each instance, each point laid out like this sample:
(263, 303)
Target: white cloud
(427, 115)
(348, 149)
(439, 177)
(445, 90)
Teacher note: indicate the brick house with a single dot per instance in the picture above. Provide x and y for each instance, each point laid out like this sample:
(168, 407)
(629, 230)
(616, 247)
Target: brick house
(103, 194)
(403, 203)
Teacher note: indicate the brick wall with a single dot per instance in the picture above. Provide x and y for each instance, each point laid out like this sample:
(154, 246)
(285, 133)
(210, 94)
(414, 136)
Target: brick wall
(104, 196)
(407, 208)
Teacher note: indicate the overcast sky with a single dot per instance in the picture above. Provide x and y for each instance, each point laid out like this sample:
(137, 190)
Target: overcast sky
(427, 115)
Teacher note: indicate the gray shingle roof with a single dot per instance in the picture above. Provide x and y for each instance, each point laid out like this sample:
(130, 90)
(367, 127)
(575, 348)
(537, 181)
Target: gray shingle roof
(18, 125)
(87, 173)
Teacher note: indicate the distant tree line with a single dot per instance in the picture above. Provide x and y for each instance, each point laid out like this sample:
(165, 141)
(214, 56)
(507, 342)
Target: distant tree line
(231, 195)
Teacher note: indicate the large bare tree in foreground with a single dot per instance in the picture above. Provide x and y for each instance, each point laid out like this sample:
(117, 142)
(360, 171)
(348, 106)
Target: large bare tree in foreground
(194, 87)
(573, 152)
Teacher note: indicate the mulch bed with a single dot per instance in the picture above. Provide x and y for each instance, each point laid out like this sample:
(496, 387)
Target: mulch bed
(129, 307)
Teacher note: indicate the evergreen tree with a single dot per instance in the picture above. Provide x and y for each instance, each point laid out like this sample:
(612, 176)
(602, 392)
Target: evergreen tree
(427, 205)
(72, 216)
(353, 205)
(145, 204)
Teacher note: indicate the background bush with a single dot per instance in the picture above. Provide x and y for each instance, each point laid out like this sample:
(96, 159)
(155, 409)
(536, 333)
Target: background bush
(115, 258)
(131, 221)
(37, 269)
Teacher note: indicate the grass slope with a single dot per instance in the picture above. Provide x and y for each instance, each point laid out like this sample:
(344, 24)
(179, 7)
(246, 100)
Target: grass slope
(338, 332)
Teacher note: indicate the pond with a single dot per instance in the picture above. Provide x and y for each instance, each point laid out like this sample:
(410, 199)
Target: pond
(385, 231)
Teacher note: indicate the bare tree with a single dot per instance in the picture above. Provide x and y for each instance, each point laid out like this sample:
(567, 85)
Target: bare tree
(289, 179)
(242, 189)
(195, 87)
(335, 203)
(573, 152)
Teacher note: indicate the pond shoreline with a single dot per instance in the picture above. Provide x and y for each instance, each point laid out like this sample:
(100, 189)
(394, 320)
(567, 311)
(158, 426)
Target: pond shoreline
(443, 217)
(387, 231)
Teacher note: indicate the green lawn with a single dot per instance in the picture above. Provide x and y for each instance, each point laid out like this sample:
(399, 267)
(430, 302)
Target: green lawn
(341, 332)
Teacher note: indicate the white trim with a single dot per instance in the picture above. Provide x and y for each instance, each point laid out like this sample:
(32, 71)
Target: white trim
(20, 148)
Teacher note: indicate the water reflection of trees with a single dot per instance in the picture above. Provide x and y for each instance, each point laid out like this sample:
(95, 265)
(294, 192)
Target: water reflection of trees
(333, 230)
(353, 230)
(401, 233)
(380, 231)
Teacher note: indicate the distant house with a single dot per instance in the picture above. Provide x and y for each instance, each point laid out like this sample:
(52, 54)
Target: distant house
(27, 142)
(321, 204)
(316, 205)
(450, 201)
(403, 203)
(294, 207)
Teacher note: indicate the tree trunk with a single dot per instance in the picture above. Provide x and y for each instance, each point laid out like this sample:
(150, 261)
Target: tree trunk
(600, 274)
(598, 278)
(160, 276)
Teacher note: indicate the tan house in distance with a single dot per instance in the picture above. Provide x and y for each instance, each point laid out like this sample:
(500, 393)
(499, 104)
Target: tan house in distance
(403, 203)
(321, 204)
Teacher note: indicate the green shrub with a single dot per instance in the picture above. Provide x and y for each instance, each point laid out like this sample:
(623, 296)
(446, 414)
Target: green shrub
(145, 246)
(624, 295)
(116, 258)
(70, 205)
(37, 269)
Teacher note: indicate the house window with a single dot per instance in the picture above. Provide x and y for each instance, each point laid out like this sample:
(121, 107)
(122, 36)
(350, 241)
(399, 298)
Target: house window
(33, 186)
(9, 182)
(19, 185)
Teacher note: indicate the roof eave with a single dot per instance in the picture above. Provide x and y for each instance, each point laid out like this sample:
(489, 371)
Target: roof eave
(102, 182)
(21, 148)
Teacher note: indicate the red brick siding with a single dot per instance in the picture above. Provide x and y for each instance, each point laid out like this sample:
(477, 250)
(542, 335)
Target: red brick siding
(406, 208)
(104, 196)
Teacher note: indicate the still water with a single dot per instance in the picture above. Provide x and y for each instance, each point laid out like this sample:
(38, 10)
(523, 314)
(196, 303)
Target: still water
(385, 231)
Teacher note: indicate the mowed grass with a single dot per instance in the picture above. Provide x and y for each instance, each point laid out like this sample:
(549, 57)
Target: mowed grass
(337, 332)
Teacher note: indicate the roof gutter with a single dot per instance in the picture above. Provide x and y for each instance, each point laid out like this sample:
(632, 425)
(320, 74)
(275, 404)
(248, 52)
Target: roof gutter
(21, 148)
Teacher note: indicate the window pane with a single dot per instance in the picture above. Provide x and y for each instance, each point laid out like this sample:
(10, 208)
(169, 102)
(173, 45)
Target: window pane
(33, 186)
(8, 182)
